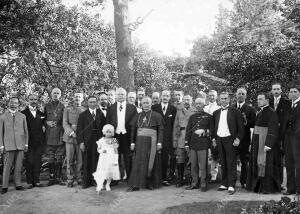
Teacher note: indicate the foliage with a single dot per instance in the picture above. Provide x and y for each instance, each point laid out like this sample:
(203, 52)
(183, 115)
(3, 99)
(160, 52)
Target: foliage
(44, 44)
(254, 44)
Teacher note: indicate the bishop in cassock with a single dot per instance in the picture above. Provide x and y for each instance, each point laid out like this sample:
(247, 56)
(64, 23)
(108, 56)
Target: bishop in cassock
(264, 168)
(147, 135)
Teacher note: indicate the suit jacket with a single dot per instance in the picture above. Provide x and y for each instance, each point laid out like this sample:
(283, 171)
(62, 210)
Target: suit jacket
(282, 113)
(292, 122)
(70, 119)
(249, 112)
(13, 134)
(86, 124)
(169, 119)
(234, 121)
(112, 115)
(35, 127)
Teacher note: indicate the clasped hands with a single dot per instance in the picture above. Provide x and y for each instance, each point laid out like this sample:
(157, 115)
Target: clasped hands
(51, 123)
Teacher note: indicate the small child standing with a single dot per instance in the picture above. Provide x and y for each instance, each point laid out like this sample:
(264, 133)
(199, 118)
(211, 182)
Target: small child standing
(108, 166)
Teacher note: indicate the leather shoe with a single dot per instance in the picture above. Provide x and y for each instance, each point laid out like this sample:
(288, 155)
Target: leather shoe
(29, 186)
(231, 190)
(4, 190)
(20, 188)
(288, 193)
(132, 189)
(222, 188)
(166, 183)
(191, 187)
(38, 185)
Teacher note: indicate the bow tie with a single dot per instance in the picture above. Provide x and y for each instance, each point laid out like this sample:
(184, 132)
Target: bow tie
(104, 109)
(223, 109)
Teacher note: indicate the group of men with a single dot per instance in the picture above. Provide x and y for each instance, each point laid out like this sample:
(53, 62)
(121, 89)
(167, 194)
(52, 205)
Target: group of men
(197, 131)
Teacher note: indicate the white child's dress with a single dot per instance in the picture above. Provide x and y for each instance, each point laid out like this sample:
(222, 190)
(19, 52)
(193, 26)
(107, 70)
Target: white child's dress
(108, 165)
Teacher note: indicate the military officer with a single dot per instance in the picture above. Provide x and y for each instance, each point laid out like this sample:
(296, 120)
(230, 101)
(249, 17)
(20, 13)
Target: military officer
(73, 152)
(197, 139)
(54, 131)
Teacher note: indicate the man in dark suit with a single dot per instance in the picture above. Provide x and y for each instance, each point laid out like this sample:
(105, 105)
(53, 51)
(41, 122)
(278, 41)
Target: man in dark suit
(103, 104)
(119, 115)
(281, 106)
(141, 92)
(228, 133)
(291, 142)
(89, 130)
(35, 124)
(168, 112)
(248, 114)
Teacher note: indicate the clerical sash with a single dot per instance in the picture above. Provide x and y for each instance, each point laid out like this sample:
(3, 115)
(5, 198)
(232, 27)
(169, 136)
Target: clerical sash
(145, 132)
(262, 133)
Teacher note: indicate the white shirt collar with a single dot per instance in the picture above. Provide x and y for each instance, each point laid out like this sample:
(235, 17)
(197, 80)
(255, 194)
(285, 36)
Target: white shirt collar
(240, 104)
(297, 100)
(122, 103)
(214, 103)
(11, 111)
(92, 110)
(32, 108)
(164, 104)
(277, 98)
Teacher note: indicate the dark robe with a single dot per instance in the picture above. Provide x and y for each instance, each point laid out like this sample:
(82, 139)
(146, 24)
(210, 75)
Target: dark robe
(146, 166)
(264, 168)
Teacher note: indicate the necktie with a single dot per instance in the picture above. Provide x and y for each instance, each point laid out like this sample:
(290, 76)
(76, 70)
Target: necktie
(239, 106)
(93, 115)
(164, 109)
(121, 107)
(275, 104)
(293, 105)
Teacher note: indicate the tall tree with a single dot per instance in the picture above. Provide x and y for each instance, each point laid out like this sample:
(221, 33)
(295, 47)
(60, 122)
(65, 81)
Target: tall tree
(123, 44)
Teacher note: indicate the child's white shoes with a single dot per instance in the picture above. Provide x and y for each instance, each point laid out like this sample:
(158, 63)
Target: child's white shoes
(107, 187)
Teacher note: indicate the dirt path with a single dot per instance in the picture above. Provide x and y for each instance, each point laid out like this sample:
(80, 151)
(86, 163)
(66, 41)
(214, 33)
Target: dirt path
(60, 199)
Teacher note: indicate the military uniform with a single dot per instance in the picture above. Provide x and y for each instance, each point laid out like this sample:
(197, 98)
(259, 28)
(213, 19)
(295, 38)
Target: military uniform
(180, 123)
(199, 145)
(55, 146)
(73, 152)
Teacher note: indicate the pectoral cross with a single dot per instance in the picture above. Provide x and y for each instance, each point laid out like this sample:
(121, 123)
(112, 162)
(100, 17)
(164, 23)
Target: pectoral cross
(144, 119)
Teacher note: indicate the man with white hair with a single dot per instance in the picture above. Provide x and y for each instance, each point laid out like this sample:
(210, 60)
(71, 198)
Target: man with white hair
(210, 109)
(168, 112)
(178, 96)
(119, 115)
(54, 130)
(197, 139)
(179, 131)
(131, 97)
(155, 98)
(111, 97)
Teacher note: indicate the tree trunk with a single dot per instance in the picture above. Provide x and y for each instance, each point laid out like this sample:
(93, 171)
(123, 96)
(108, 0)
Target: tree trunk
(123, 45)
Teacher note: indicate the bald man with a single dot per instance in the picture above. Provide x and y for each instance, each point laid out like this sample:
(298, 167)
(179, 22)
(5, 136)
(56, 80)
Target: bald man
(55, 150)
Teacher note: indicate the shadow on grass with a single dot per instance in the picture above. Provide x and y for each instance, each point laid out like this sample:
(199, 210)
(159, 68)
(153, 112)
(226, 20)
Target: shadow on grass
(215, 207)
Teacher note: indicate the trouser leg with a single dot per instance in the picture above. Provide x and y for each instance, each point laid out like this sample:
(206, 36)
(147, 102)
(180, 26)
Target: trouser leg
(19, 156)
(8, 161)
(202, 161)
(194, 167)
(289, 164)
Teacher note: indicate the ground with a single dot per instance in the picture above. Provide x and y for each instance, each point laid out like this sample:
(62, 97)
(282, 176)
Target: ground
(60, 199)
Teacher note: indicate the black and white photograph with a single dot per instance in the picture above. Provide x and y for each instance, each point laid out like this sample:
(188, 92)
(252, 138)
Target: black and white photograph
(150, 106)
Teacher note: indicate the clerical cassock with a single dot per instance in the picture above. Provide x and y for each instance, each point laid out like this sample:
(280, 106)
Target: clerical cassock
(146, 131)
(264, 166)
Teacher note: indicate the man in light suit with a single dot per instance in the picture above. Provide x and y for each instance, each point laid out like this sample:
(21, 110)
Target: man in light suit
(228, 133)
(13, 142)
(73, 152)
